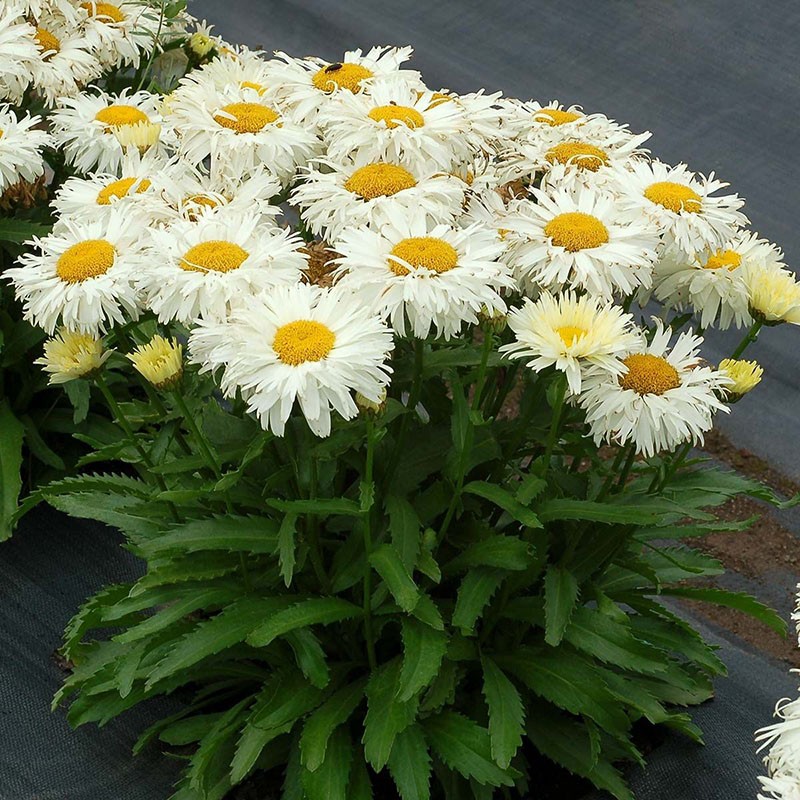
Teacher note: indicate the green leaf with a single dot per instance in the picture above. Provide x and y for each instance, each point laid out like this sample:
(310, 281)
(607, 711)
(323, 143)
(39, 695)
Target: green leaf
(506, 713)
(314, 611)
(20, 231)
(505, 500)
(389, 565)
(428, 612)
(284, 700)
(386, 715)
(410, 764)
(564, 508)
(329, 781)
(737, 600)
(423, 651)
(286, 547)
(504, 552)
(310, 656)
(465, 747)
(251, 743)
(248, 534)
(560, 597)
(11, 434)
(360, 787)
(321, 507)
(404, 526)
(474, 594)
(335, 711)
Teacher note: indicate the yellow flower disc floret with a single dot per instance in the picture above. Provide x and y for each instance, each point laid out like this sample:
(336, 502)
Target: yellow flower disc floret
(105, 12)
(649, 374)
(303, 340)
(723, 259)
(581, 154)
(428, 252)
(555, 116)
(119, 114)
(245, 117)
(575, 231)
(119, 189)
(570, 334)
(394, 116)
(379, 180)
(49, 42)
(341, 76)
(674, 196)
(214, 256)
(85, 260)
(256, 87)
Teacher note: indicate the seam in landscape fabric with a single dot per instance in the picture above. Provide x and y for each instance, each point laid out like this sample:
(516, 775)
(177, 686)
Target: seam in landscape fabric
(782, 760)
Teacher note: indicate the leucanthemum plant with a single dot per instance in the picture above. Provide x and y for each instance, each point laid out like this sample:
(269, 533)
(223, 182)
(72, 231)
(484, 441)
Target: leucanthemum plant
(408, 465)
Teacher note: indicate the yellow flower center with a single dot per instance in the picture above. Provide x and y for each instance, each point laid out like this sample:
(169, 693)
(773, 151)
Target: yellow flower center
(257, 87)
(727, 259)
(246, 117)
(105, 12)
(214, 256)
(50, 43)
(575, 231)
(397, 115)
(570, 334)
(85, 260)
(427, 252)
(120, 114)
(303, 340)
(341, 76)
(673, 196)
(581, 154)
(379, 180)
(555, 116)
(119, 189)
(649, 374)
(437, 98)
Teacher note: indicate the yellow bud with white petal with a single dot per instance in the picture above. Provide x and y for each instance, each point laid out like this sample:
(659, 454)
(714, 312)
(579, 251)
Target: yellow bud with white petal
(141, 135)
(160, 362)
(745, 376)
(774, 294)
(69, 355)
(371, 408)
(201, 44)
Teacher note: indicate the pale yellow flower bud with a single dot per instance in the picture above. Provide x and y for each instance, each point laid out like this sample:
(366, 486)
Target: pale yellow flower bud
(746, 375)
(369, 407)
(69, 355)
(160, 361)
(201, 44)
(774, 295)
(141, 135)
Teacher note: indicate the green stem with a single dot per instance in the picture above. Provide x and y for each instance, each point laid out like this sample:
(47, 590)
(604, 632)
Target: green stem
(612, 473)
(368, 477)
(555, 423)
(205, 447)
(626, 467)
(505, 388)
(751, 336)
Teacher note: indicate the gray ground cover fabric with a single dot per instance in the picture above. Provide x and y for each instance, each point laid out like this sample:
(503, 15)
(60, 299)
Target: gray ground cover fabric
(717, 83)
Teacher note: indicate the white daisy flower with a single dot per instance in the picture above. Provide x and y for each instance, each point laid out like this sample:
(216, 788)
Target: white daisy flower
(579, 240)
(307, 83)
(87, 127)
(663, 399)
(680, 204)
(573, 334)
(82, 275)
(100, 195)
(20, 148)
(68, 9)
(421, 276)
(65, 63)
(69, 355)
(355, 195)
(297, 344)
(238, 125)
(19, 52)
(198, 269)
(488, 115)
(712, 283)
(396, 124)
(486, 207)
(245, 69)
(120, 33)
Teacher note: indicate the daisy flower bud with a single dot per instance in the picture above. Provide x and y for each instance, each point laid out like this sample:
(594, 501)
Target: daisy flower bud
(160, 362)
(201, 44)
(745, 376)
(69, 355)
(492, 320)
(371, 408)
(774, 294)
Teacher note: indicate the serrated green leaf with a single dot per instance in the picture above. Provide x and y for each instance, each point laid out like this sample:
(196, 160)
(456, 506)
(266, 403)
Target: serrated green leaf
(506, 713)
(321, 507)
(504, 552)
(386, 561)
(423, 651)
(11, 435)
(565, 508)
(248, 534)
(465, 747)
(474, 593)
(286, 547)
(560, 597)
(310, 656)
(410, 764)
(503, 499)
(404, 527)
(313, 611)
(20, 231)
(329, 781)
(335, 711)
